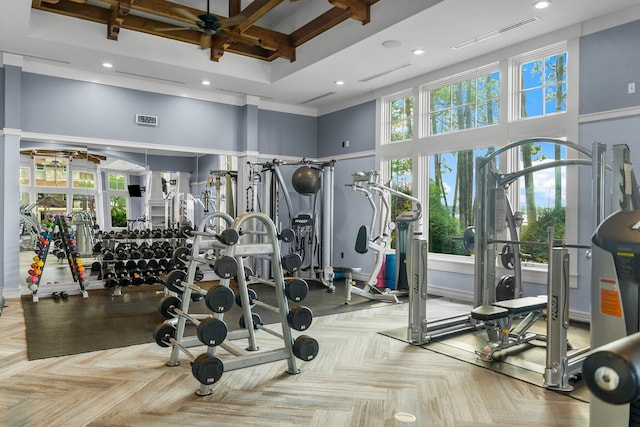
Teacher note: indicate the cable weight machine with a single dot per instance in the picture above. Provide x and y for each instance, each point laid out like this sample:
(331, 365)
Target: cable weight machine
(313, 227)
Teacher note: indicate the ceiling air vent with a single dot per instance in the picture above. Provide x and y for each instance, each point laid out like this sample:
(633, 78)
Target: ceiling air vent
(494, 33)
(318, 97)
(384, 73)
(126, 73)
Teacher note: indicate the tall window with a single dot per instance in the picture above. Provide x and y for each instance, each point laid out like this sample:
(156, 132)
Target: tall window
(399, 118)
(401, 181)
(118, 207)
(543, 86)
(117, 182)
(117, 186)
(466, 104)
(451, 198)
(542, 197)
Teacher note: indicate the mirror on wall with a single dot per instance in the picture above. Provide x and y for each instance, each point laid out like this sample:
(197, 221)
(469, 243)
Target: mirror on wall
(109, 190)
(58, 204)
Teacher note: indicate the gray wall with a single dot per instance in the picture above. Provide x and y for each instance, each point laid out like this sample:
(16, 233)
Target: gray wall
(355, 124)
(351, 210)
(287, 134)
(609, 60)
(68, 107)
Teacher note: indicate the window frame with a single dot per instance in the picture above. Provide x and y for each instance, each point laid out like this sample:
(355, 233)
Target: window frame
(506, 131)
(426, 89)
(386, 116)
(515, 89)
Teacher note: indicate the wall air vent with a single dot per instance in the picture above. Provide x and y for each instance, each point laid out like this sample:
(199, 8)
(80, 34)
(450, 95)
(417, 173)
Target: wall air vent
(384, 73)
(317, 98)
(494, 33)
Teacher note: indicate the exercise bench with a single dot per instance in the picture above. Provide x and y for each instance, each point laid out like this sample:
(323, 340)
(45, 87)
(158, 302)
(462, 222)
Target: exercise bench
(498, 320)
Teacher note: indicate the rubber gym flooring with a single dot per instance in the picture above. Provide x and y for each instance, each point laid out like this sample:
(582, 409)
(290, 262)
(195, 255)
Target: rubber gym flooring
(103, 321)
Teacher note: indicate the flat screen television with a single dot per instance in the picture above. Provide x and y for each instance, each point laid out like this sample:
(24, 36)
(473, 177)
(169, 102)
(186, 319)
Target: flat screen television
(134, 191)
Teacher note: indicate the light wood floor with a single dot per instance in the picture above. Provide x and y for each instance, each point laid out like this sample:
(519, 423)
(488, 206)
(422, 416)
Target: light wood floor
(360, 378)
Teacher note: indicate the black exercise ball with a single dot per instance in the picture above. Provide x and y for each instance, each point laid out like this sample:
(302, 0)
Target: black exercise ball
(306, 180)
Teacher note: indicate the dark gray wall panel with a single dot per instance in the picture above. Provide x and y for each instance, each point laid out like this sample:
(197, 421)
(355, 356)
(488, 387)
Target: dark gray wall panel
(68, 107)
(287, 134)
(354, 124)
(609, 60)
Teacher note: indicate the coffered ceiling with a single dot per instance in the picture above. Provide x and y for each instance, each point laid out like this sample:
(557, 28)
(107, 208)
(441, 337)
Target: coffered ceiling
(288, 54)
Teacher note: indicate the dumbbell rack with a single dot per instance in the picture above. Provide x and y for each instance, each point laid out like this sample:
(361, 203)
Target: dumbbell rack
(208, 368)
(109, 270)
(67, 245)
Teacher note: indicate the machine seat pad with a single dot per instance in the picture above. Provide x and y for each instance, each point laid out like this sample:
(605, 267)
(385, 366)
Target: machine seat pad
(489, 312)
(362, 240)
(346, 269)
(522, 305)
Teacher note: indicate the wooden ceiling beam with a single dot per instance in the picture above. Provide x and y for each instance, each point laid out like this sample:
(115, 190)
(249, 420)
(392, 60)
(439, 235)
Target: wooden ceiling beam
(245, 38)
(256, 10)
(235, 6)
(116, 19)
(76, 10)
(319, 25)
(359, 9)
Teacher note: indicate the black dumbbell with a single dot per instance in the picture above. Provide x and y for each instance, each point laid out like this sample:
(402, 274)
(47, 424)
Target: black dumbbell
(207, 369)
(299, 317)
(304, 347)
(110, 280)
(218, 299)
(211, 331)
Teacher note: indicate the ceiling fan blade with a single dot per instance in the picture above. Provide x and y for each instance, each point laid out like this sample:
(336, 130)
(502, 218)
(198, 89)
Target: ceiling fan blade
(187, 14)
(205, 41)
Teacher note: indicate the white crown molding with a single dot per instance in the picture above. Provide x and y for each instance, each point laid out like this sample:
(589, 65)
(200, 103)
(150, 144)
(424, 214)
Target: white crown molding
(609, 115)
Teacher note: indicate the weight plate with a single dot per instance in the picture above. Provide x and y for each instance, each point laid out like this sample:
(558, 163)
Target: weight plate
(207, 369)
(296, 290)
(300, 317)
(305, 348)
(167, 305)
(211, 331)
(257, 320)
(163, 333)
(174, 280)
(219, 299)
(469, 239)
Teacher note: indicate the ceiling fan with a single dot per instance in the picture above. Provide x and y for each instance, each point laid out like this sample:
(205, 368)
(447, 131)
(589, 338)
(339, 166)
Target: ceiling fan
(206, 23)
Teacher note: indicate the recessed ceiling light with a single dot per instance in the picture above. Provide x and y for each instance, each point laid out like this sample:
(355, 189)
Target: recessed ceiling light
(542, 4)
(205, 82)
(417, 51)
(107, 65)
(339, 82)
(391, 44)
